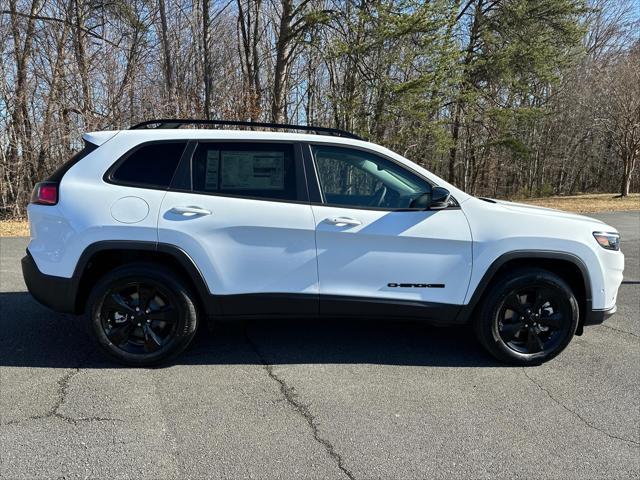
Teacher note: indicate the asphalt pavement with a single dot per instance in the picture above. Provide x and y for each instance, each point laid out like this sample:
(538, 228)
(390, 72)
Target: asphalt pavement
(317, 399)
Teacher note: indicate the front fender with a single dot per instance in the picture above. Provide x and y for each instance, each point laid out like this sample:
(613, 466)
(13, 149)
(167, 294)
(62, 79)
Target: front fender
(479, 285)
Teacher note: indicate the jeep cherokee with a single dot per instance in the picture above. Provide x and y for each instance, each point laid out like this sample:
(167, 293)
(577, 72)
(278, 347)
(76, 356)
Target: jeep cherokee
(151, 231)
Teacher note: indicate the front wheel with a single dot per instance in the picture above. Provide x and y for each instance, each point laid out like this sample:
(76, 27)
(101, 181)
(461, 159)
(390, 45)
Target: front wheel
(528, 317)
(142, 314)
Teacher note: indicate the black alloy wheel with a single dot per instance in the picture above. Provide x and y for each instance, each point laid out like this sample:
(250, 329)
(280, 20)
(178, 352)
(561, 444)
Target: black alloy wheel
(142, 314)
(527, 316)
(534, 319)
(139, 317)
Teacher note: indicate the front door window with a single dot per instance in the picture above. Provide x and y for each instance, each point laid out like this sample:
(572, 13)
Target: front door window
(355, 178)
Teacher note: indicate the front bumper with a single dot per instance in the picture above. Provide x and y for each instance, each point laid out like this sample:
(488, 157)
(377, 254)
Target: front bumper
(56, 293)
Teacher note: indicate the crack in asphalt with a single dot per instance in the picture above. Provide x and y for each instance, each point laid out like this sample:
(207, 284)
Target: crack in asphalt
(619, 330)
(576, 414)
(54, 411)
(61, 392)
(303, 410)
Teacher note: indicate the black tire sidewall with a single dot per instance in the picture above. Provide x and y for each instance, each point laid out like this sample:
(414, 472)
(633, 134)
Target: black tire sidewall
(486, 324)
(187, 322)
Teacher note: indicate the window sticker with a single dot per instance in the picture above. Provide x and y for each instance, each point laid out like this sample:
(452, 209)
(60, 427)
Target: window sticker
(212, 168)
(243, 170)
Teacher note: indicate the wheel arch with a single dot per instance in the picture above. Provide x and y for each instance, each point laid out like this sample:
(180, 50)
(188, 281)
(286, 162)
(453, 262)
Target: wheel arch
(101, 257)
(567, 265)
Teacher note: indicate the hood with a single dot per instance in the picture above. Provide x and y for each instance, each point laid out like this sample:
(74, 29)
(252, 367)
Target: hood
(545, 212)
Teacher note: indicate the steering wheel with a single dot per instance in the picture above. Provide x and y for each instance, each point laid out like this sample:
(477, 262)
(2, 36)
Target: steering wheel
(378, 197)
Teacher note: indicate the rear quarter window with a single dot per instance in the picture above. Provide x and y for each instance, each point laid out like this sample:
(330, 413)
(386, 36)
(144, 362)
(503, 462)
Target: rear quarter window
(150, 165)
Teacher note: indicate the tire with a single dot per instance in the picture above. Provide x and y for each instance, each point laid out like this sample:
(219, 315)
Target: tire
(528, 317)
(163, 326)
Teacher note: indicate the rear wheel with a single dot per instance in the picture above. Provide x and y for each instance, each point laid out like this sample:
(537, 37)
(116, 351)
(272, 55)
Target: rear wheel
(141, 314)
(529, 316)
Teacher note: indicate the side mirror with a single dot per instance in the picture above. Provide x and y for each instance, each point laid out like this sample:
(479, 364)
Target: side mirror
(439, 198)
(422, 202)
(436, 199)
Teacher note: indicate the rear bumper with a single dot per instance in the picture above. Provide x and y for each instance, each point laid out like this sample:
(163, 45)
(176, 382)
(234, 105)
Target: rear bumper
(56, 293)
(596, 317)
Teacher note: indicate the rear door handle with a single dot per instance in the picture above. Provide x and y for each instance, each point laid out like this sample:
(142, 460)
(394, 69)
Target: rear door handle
(341, 221)
(190, 211)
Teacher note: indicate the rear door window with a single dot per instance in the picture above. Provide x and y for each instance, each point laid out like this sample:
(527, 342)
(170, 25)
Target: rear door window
(150, 165)
(253, 170)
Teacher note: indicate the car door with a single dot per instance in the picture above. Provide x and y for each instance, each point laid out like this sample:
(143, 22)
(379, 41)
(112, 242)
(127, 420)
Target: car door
(240, 210)
(376, 254)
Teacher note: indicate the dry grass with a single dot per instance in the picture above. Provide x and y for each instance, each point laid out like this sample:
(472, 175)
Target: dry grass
(601, 202)
(14, 228)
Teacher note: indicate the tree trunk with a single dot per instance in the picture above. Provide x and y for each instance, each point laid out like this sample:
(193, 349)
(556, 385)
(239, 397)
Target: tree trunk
(455, 134)
(281, 69)
(19, 151)
(81, 60)
(206, 62)
(466, 81)
(249, 25)
(627, 170)
(168, 61)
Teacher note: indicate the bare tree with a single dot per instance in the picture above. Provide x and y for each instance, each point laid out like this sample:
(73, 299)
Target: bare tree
(293, 22)
(166, 51)
(249, 28)
(618, 111)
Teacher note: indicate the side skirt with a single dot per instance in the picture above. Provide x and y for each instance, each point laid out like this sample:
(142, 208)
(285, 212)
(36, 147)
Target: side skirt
(266, 305)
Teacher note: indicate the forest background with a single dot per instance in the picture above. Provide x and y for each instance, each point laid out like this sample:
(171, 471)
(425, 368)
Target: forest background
(503, 98)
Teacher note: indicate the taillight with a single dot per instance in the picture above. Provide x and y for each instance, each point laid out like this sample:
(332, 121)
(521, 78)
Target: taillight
(45, 193)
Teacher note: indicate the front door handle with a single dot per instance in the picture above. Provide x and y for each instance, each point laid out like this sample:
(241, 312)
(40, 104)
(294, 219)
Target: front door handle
(190, 211)
(342, 221)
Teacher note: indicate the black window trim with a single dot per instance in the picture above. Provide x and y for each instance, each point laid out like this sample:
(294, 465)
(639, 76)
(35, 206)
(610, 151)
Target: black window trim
(314, 180)
(300, 172)
(62, 170)
(307, 179)
(109, 178)
(183, 170)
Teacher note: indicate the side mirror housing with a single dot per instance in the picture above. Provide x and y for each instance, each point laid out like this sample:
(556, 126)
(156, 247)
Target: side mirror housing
(439, 198)
(436, 199)
(422, 202)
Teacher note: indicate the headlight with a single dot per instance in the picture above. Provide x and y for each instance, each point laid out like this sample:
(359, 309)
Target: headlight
(608, 240)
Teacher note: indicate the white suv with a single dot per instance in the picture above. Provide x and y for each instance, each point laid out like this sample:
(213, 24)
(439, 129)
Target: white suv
(153, 230)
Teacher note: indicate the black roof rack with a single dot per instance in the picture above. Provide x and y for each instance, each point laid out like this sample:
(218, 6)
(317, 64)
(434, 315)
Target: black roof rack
(178, 122)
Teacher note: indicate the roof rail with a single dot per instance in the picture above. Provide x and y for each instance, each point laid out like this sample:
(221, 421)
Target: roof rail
(178, 122)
